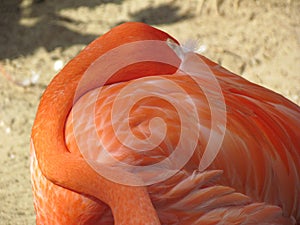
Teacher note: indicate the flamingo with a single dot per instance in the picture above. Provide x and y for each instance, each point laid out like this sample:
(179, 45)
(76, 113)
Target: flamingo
(238, 160)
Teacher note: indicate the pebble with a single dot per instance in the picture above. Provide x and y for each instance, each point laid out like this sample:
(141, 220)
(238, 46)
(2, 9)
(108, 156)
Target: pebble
(58, 65)
(7, 130)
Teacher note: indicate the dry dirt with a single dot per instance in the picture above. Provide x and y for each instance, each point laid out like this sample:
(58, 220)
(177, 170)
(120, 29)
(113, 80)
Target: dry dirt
(259, 40)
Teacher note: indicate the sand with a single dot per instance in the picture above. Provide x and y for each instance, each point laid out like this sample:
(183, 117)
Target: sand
(259, 40)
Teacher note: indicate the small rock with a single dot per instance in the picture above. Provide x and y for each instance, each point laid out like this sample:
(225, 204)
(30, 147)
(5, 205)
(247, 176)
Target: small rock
(7, 130)
(58, 65)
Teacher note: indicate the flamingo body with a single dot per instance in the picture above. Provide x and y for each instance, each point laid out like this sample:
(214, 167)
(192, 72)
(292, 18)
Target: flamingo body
(253, 179)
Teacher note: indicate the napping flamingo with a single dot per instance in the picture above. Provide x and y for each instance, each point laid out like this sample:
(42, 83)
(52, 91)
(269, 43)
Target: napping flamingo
(250, 175)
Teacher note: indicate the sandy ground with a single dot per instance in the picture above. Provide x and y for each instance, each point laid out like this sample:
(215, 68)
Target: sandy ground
(259, 40)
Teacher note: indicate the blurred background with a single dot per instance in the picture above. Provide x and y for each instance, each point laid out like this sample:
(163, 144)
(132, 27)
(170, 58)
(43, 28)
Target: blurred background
(259, 40)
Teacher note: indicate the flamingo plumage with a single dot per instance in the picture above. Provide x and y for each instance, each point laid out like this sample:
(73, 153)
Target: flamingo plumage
(253, 178)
